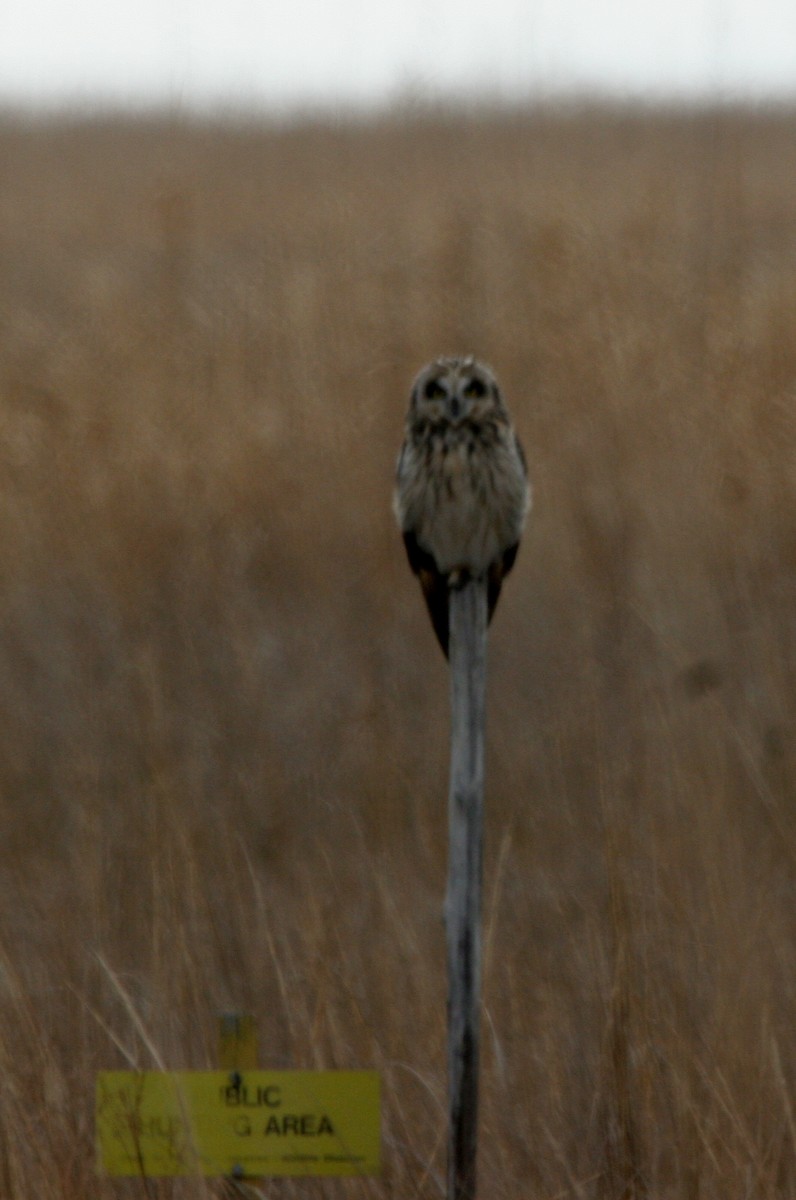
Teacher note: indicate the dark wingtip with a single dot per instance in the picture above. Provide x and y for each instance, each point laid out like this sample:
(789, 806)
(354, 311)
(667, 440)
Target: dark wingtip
(435, 593)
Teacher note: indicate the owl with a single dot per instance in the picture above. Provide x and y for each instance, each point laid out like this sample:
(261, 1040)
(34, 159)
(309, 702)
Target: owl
(461, 493)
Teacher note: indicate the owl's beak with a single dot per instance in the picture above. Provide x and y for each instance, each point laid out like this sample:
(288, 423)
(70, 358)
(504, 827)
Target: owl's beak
(455, 408)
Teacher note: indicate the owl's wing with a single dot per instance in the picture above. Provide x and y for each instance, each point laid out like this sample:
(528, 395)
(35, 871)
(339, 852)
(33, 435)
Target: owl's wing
(434, 585)
(498, 571)
(521, 456)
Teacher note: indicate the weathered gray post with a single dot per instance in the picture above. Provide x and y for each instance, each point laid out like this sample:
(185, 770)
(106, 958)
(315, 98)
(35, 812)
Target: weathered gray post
(468, 622)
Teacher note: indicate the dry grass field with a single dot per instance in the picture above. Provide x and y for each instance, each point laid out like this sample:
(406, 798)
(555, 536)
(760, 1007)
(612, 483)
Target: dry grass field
(223, 748)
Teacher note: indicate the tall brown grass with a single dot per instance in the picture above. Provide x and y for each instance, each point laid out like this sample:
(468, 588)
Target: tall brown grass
(223, 751)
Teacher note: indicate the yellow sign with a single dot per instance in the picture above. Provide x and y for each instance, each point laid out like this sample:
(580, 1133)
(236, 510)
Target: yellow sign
(241, 1124)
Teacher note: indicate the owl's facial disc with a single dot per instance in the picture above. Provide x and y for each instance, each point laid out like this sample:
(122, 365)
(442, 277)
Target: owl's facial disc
(455, 390)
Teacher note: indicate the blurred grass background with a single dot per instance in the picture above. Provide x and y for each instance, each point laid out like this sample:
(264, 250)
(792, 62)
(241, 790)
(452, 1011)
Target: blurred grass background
(223, 748)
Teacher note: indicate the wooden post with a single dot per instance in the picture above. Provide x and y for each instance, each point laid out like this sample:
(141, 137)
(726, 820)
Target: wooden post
(468, 621)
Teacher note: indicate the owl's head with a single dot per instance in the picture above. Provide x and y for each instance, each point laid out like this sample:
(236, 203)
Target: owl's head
(455, 390)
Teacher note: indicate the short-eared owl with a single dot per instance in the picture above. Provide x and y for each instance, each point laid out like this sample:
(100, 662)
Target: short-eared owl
(461, 494)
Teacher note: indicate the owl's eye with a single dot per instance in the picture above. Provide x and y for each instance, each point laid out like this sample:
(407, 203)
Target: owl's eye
(434, 390)
(475, 389)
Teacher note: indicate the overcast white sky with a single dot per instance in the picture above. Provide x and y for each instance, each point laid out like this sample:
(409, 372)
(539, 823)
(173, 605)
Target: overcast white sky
(279, 53)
